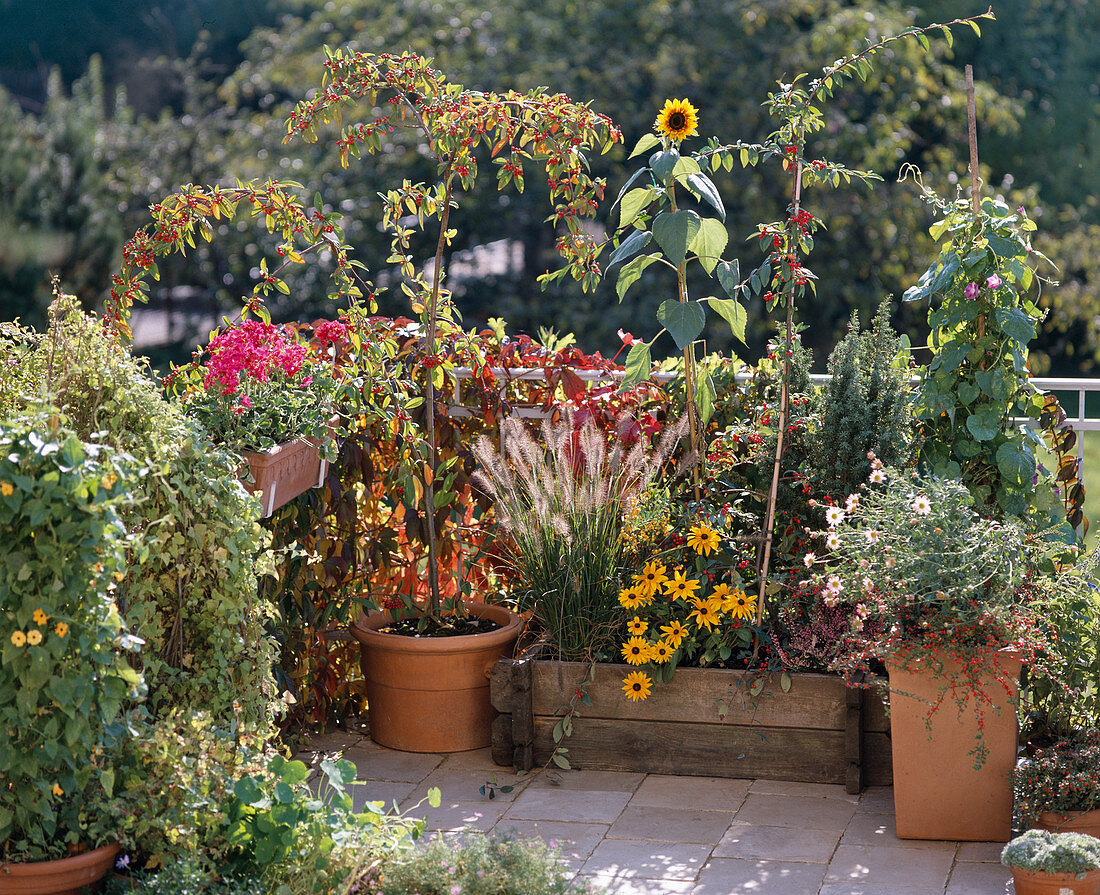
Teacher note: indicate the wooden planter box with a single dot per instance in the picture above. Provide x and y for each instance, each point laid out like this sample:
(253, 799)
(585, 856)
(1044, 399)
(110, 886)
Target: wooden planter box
(703, 722)
(282, 473)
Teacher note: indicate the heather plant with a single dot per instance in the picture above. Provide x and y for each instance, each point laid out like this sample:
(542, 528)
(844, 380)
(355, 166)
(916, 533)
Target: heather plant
(1063, 778)
(1048, 852)
(560, 503)
(864, 407)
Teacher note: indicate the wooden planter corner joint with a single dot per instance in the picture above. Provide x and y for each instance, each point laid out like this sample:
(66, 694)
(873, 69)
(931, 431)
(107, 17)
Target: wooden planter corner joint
(704, 722)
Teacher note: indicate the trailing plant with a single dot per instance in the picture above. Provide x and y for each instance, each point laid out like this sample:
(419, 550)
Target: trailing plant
(64, 679)
(1053, 852)
(1063, 778)
(864, 407)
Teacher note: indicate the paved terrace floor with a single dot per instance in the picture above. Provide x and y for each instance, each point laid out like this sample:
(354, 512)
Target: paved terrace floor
(647, 834)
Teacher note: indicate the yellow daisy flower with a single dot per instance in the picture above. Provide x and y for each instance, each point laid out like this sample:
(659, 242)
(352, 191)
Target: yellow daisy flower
(738, 605)
(662, 652)
(677, 120)
(674, 633)
(652, 576)
(62, 629)
(680, 587)
(7, 489)
(636, 651)
(637, 686)
(34, 637)
(706, 612)
(632, 598)
(703, 540)
(18, 638)
(637, 627)
(40, 617)
(721, 593)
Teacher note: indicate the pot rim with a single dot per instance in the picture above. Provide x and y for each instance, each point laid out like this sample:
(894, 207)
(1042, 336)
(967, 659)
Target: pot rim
(58, 865)
(365, 631)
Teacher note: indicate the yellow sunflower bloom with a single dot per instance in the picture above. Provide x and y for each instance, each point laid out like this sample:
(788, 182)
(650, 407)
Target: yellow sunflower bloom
(18, 638)
(636, 651)
(706, 612)
(652, 576)
(738, 605)
(34, 637)
(632, 598)
(637, 627)
(680, 587)
(637, 686)
(677, 120)
(674, 633)
(662, 652)
(62, 629)
(703, 540)
(40, 617)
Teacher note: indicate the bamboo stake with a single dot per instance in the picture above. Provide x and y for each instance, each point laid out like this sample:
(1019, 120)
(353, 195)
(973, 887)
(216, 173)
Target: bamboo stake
(975, 182)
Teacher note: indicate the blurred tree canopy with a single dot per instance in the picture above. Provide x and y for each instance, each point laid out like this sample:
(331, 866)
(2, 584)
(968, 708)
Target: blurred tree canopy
(77, 173)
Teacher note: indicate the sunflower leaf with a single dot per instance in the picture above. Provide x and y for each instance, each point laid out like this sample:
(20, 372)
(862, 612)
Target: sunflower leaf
(663, 163)
(674, 232)
(638, 364)
(646, 143)
(630, 273)
(635, 242)
(633, 203)
(684, 320)
(733, 313)
(709, 243)
(703, 187)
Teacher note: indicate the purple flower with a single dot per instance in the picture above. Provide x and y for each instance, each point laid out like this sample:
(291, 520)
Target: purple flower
(994, 282)
(456, 890)
(971, 290)
(122, 862)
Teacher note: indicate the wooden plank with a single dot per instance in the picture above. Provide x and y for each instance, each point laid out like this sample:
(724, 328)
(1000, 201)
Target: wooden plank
(708, 750)
(502, 691)
(501, 746)
(874, 711)
(878, 769)
(853, 740)
(815, 701)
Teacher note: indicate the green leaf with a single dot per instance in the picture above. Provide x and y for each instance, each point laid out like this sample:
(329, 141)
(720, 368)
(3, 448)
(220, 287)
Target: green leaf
(635, 242)
(561, 761)
(785, 682)
(1004, 247)
(1016, 463)
(631, 271)
(1015, 324)
(647, 142)
(729, 276)
(984, 424)
(684, 320)
(639, 363)
(705, 395)
(674, 232)
(626, 185)
(633, 203)
(435, 797)
(968, 391)
(662, 164)
(709, 243)
(703, 187)
(733, 313)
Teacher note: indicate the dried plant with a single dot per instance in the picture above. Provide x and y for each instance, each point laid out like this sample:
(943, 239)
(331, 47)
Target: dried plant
(560, 501)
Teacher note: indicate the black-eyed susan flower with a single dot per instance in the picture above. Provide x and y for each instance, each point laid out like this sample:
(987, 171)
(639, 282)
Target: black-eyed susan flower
(680, 587)
(18, 638)
(677, 120)
(703, 540)
(636, 651)
(34, 637)
(674, 633)
(738, 605)
(62, 629)
(637, 627)
(637, 686)
(721, 593)
(632, 597)
(40, 617)
(652, 576)
(662, 652)
(705, 613)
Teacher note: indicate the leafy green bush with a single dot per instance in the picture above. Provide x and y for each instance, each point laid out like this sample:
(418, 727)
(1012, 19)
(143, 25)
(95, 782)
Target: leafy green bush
(64, 679)
(190, 584)
(479, 865)
(1064, 778)
(1053, 852)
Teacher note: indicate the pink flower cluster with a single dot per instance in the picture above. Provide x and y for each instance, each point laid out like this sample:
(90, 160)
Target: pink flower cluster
(254, 349)
(331, 332)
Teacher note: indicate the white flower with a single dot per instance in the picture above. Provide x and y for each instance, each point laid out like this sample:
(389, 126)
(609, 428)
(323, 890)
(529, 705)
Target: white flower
(832, 541)
(889, 562)
(852, 503)
(921, 505)
(877, 477)
(808, 559)
(833, 587)
(876, 463)
(834, 516)
(872, 535)
(857, 624)
(868, 585)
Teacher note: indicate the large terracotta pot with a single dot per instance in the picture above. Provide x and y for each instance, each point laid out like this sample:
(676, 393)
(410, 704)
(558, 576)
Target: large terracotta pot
(938, 794)
(66, 876)
(431, 694)
(1036, 882)
(284, 472)
(1087, 822)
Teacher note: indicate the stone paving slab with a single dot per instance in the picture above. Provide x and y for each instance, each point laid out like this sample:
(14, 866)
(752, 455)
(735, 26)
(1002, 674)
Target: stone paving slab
(638, 834)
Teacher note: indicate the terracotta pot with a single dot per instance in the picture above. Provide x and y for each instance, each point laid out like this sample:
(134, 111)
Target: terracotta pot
(1036, 882)
(66, 876)
(938, 794)
(1087, 822)
(284, 472)
(431, 694)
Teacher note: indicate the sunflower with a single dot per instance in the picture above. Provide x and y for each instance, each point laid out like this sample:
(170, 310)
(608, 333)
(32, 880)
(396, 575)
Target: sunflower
(703, 540)
(662, 652)
(706, 612)
(637, 627)
(636, 651)
(653, 575)
(674, 633)
(637, 686)
(632, 597)
(677, 120)
(680, 587)
(738, 605)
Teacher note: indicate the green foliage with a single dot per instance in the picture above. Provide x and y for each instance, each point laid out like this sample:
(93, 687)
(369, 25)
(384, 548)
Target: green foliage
(864, 407)
(1063, 778)
(64, 678)
(190, 585)
(478, 865)
(1053, 852)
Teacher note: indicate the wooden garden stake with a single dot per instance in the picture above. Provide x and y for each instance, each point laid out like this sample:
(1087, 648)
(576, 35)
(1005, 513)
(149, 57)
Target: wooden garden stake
(975, 183)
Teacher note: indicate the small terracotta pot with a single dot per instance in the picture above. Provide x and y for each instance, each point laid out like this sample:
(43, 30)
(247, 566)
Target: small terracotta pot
(431, 694)
(66, 876)
(1036, 882)
(284, 472)
(938, 794)
(1087, 822)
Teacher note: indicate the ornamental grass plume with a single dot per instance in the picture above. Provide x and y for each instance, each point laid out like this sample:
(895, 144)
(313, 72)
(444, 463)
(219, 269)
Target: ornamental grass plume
(560, 501)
